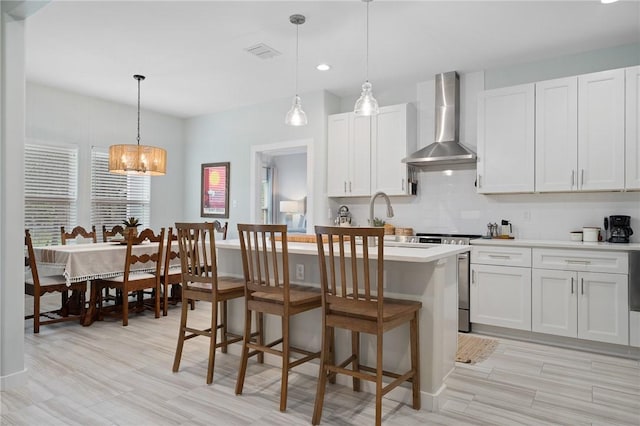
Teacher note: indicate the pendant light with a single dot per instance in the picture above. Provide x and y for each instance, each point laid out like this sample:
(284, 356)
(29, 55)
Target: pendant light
(296, 116)
(366, 104)
(130, 159)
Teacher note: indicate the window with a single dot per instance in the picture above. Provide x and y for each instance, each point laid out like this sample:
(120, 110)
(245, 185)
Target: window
(50, 190)
(116, 197)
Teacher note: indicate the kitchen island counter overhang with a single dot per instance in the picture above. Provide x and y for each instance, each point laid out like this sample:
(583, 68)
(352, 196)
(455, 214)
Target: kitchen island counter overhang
(428, 275)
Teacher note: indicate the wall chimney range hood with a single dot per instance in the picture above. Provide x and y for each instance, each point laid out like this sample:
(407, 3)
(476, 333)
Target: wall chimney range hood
(446, 149)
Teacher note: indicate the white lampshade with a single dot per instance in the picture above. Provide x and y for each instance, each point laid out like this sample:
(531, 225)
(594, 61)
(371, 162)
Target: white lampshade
(366, 103)
(290, 207)
(296, 116)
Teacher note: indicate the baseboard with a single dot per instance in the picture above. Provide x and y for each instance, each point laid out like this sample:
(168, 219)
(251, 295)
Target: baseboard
(622, 351)
(13, 380)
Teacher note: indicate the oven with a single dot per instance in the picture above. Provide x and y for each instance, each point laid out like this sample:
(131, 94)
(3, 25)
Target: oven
(464, 260)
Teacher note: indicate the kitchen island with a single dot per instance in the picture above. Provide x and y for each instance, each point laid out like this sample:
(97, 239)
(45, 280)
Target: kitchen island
(427, 274)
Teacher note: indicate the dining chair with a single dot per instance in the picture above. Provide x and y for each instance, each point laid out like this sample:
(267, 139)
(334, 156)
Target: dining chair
(37, 286)
(136, 281)
(268, 291)
(116, 232)
(220, 228)
(200, 281)
(352, 299)
(171, 275)
(76, 232)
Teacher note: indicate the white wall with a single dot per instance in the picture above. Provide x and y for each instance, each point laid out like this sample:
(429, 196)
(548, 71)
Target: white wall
(229, 136)
(58, 116)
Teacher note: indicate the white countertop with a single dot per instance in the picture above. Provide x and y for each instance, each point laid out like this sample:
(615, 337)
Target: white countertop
(557, 244)
(411, 253)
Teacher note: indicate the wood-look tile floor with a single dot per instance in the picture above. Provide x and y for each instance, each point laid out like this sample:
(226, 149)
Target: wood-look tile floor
(107, 374)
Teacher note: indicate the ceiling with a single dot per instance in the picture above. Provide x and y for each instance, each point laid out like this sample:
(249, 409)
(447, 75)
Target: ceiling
(193, 56)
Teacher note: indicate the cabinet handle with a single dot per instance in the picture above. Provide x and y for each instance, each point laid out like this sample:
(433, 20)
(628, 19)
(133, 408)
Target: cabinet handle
(577, 262)
(573, 178)
(402, 184)
(500, 256)
(571, 285)
(582, 285)
(345, 186)
(479, 181)
(473, 277)
(581, 178)
(349, 186)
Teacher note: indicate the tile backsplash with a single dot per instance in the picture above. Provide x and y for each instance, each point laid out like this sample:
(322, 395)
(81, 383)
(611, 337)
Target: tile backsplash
(447, 202)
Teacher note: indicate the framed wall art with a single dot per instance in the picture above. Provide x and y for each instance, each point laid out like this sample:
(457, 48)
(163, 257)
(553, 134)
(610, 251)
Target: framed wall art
(214, 190)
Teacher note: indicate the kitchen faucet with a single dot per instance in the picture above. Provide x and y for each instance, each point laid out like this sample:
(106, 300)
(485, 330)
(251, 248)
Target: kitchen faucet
(371, 203)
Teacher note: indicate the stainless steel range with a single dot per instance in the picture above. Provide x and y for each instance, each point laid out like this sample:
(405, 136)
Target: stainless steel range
(464, 323)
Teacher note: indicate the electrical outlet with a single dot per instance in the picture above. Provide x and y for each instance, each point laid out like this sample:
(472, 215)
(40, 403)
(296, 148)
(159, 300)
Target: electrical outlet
(299, 271)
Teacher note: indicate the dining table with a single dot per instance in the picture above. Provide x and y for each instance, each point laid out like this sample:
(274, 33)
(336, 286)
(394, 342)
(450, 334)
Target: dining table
(91, 261)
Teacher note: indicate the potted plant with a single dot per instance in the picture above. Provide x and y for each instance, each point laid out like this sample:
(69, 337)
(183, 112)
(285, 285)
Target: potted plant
(131, 225)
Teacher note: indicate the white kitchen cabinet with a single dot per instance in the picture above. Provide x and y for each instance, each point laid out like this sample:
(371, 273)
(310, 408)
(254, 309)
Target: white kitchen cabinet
(349, 159)
(581, 294)
(632, 134)
(501, 296)
(556, 135)
(601, 130)
(506, 140)
(393, 138)
(500, 290)
(364, 153)
(634, 329)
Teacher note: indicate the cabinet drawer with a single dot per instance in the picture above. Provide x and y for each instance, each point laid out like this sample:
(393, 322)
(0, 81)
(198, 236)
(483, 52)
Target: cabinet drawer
(503, 256)
(581, 260)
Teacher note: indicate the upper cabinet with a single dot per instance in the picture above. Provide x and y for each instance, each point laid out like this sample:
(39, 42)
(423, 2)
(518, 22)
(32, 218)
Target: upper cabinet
(601, 130)
(393, 137)
(578, 137)
(505, 140)
(632, 128)
(557, 135)
(349, 155)
(365, 153)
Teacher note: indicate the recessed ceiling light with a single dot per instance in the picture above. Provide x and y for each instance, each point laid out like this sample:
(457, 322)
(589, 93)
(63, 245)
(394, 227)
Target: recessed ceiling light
(323, 67)
(608, 1)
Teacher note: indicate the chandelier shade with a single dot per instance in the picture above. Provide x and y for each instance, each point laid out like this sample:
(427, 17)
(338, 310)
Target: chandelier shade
(136, 159)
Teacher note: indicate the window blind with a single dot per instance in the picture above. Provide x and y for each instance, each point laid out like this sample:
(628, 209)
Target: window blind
(116, 197)
(50, 191)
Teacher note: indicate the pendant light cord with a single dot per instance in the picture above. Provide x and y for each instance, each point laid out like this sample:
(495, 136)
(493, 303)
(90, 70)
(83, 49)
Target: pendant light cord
(138, 111)
(367, 64)
(297, 42)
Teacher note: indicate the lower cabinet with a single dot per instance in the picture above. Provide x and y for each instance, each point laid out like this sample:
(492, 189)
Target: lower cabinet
(579, 303)
(501, 296)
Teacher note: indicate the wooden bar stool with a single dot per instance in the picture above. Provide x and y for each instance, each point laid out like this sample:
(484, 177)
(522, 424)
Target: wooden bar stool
(200, 281)
(351, 302)
(268, 291)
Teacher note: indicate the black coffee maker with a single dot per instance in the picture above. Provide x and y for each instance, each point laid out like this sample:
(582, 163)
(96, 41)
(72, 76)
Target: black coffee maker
(619, 228)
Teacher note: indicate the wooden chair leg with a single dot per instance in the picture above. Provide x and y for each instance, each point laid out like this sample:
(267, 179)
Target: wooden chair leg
(332, 354)
(285, 363)
(125, 307)
(355, 350)
(245, 351)
(379, 379)
(181, 335)
(36, 313)
(322, 377)
(223, 329)
(415, 361)
(260, 321)
(165, 298)
(212, 340)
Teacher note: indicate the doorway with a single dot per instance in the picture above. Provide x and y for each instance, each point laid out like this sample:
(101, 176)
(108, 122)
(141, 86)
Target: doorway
(282, 188)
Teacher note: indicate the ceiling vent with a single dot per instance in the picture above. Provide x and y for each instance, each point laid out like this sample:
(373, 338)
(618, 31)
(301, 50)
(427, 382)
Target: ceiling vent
(262, 51)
